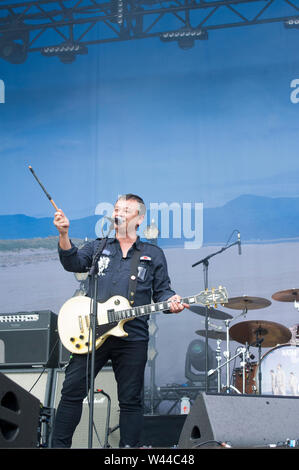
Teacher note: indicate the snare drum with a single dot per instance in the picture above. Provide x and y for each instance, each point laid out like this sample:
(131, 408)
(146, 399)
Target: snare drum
(280, 371)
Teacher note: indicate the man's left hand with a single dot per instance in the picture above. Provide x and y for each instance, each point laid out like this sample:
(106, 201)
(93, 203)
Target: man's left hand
(176, 306)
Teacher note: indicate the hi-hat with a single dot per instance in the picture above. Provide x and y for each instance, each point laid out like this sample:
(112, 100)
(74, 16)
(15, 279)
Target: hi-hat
(212, 312)
(212, 334)
(251, 331)
(289, 295)
(247, 303)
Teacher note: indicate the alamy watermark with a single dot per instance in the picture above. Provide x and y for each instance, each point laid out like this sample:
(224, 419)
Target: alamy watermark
(174, 220)
(294, 96)
(2, 92)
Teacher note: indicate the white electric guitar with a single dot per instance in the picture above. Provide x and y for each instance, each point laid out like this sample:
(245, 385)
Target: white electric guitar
(74, 317)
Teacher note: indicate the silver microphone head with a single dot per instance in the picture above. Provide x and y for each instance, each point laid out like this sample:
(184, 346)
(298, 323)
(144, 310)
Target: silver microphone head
(118, 220)
(114, 220)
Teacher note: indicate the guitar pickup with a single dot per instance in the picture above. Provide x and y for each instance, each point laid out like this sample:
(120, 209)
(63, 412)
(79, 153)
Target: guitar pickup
(110, 315)
(81, 324)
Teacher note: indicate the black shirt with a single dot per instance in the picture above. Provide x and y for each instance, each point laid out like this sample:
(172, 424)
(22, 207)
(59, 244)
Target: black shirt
(153, 283)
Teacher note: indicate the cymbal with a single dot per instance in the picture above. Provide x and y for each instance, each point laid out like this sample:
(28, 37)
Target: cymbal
(289, 295)
(212, 334)
(247, 303)
(250, 331)
(212, 312)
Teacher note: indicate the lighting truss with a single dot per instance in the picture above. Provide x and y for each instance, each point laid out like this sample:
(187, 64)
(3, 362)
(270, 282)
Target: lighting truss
(70, 26)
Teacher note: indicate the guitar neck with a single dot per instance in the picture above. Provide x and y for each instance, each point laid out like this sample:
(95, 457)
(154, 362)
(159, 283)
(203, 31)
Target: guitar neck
(135, 312)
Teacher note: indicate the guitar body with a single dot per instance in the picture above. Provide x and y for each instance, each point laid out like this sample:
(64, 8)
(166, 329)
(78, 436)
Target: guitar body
(74, 322)
(74, 317)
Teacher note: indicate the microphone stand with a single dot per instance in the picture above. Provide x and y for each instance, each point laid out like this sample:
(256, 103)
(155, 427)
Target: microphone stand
(205, 263)
(93, 274)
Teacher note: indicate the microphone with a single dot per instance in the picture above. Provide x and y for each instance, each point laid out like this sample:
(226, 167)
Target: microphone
(239, 243)
(115, 220)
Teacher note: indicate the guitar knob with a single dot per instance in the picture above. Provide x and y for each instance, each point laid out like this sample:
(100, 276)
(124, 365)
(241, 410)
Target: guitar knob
(78, 346)
(81, 337)
(72, 339)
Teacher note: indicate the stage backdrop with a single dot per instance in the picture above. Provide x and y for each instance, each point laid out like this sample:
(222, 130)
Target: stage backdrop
(194, 109)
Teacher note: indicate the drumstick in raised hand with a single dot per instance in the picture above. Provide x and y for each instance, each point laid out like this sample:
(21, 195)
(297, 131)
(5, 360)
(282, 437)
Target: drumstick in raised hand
(43, 188)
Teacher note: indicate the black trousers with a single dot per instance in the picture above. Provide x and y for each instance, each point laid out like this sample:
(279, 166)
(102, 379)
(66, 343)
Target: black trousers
(128, 362)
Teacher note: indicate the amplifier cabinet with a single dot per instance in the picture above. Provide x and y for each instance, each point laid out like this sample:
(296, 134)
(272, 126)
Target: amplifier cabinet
(105, 381)
(29, 339)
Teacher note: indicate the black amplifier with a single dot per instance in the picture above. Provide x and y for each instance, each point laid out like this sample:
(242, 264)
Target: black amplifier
(29, 339)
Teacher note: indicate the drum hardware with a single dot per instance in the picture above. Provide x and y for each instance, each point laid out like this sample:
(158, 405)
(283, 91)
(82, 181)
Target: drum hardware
(261, 334)
(226, 364)
(290, 295)
(205, 264)
(243, 303)
(219, 335)
(250, 375)
(218, 359)
(246, 303)
(212, 312)
(229, 386)
(250, 331)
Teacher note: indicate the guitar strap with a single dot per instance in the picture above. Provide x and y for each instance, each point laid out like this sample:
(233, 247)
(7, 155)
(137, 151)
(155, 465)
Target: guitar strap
(133, 276)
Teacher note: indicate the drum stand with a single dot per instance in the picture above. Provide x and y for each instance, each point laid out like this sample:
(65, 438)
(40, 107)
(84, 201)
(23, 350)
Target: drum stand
(258, 343)
(226, 354)
(226, 363)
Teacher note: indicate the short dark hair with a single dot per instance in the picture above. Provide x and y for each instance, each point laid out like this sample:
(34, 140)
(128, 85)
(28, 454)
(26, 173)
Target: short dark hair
(134, 197)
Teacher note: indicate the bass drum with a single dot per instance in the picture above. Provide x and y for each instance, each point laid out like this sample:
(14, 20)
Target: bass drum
(280, 371)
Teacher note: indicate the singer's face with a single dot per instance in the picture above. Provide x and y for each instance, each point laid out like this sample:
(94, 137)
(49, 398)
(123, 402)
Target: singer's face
(128, 211)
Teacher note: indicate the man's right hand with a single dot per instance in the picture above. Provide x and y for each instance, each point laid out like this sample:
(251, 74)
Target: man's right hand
(62, 224)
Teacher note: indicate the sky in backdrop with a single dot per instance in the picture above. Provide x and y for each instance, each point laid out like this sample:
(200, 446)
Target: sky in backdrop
(206, 124)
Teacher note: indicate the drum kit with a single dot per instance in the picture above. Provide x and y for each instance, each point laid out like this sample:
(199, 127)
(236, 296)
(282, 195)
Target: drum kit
(275, 371)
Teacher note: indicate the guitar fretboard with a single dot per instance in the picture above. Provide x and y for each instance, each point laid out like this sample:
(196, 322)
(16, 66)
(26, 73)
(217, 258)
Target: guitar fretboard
(116, 316)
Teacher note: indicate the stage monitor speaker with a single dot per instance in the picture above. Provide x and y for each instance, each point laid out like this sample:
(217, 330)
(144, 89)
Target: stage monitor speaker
(243, 421)
(19, 416)
(162, 430)
(29, 339)
(36, 381)
(105, 380)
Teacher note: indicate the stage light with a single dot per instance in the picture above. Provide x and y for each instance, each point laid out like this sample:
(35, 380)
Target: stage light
(185, 37)
(117, 10)
(195, 364)
(14, 47)
(66, 51)
(293, 23)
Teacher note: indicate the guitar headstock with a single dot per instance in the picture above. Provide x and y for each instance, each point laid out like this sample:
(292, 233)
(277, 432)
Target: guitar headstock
(212, 297)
